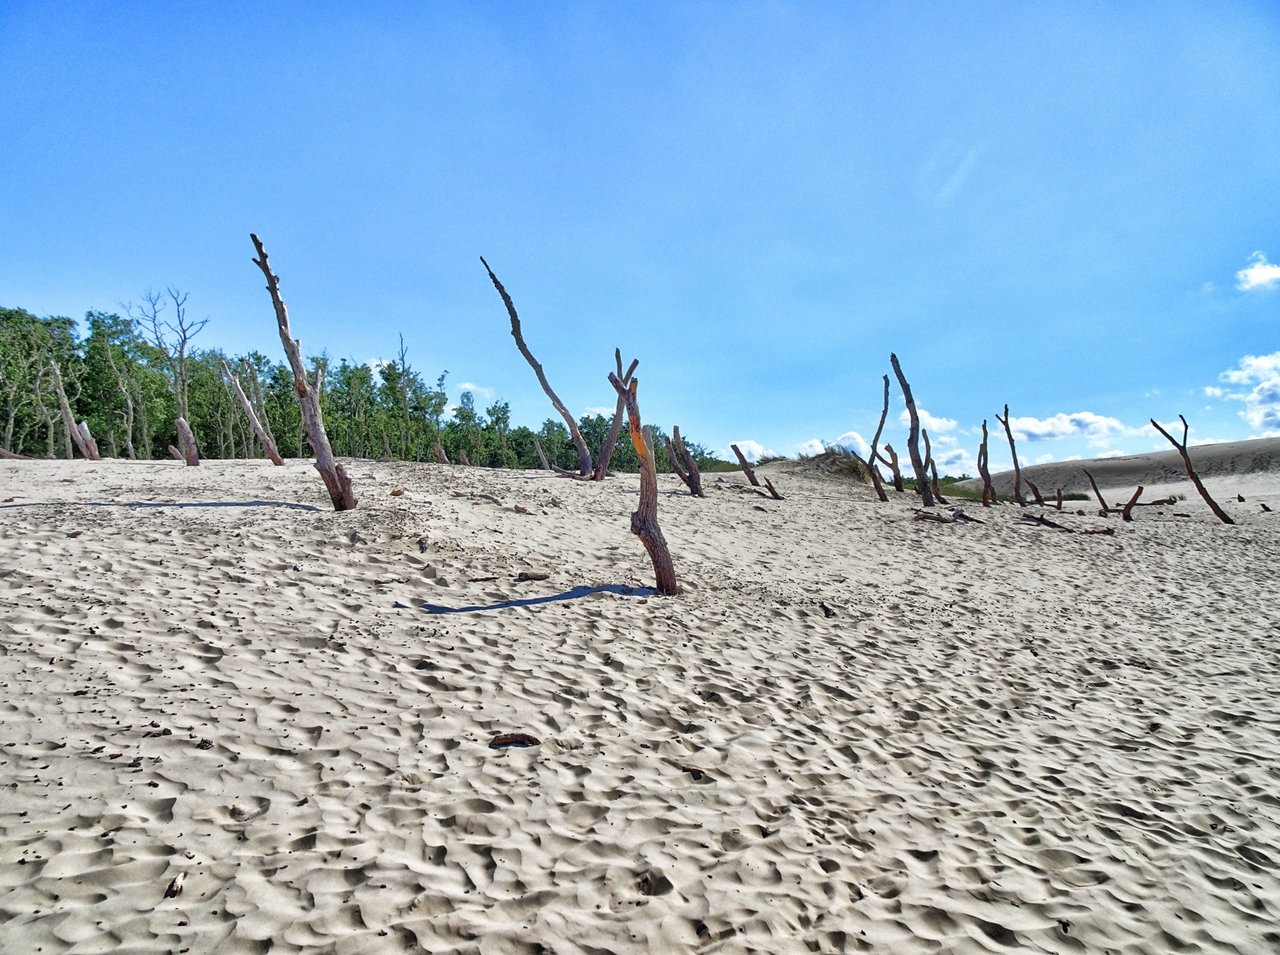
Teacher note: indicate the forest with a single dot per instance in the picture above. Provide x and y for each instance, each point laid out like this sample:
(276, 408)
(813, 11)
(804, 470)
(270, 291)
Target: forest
(129, 377)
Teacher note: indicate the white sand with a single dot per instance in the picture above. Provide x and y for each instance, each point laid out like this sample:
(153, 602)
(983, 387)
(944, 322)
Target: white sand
(852, 731)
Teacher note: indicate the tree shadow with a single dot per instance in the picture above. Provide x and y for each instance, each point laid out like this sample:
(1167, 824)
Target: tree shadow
(575, 593)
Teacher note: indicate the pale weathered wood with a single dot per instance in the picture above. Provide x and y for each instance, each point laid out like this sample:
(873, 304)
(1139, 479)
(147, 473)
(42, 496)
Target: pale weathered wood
(175, 453)
(331, 471)
(87, 437)
(746, 466)
(1013, 450)
(264, 439)
(584, 453)
(73, 434)
(611, 439)
(913, 436)
(441, 457)
(891, 462)
(932, 467)
(682, 462)
(644, 520)
(542, 455)
(15, 456)
(984, 471)
(187, 442)
(463, 459)
(877, 481)
(1191, 471)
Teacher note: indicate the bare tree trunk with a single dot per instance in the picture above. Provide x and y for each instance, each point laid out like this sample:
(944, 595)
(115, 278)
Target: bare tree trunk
(69, 422)
(1098, 494)
(14, 456)
(264, 439)
(187, 443)
(1127, 513)
(86, 436)
(175, 453)
(542, 455)
(1191, 471)
(611, 440)
(584, 453)
(334, 474)
(932, 467)
(988, 489)
(876, 480)
(746, 467)
(463, 459)
(913, 436)
(1058, 502)
(644, 520)
(683, 463)
(892, 463)
(441, 457)
(1013, 449)
(1035, 492)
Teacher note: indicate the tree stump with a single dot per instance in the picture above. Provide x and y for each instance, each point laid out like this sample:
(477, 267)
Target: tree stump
(913, 436)
(187, 443)
(644, 520)
(682, 462)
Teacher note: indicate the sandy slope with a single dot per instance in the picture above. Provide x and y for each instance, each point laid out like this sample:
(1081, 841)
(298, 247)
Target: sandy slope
(853, 731)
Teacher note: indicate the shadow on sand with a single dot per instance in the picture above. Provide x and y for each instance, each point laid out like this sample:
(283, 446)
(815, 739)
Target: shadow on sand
(575, 593)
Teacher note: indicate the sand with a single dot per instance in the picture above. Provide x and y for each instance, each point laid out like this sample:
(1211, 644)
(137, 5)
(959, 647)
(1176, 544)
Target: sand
(852, 731)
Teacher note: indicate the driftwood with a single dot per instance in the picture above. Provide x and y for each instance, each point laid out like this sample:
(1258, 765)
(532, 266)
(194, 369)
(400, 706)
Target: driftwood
(87, 437)
(644, 520)
(611, 439)
(187, 442)
(1036, 497)
(891, 462)
(1058, 502)
(984, 471)
(876, 480)
(956, 516)
(334, 474)
(1013, 450)
(1191, 471)
(1265, 509)
(773, 491)
(463, 459)
(746, 467)
(584, 453)
(1040, 521)
(932, 467)
(913, 436)
(265, 440)
(1127, 513)
(15, 456)
(542, 455)
(1098, 494)
(682, 462)
(175, 453)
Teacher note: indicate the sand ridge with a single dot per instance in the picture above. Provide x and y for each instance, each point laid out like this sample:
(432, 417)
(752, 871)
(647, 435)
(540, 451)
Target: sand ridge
(853, 731)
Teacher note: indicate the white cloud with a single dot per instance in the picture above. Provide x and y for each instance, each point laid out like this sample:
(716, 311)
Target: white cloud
(1262, 402)
(854, 442)
(751, 450)
(1258, 274)
(1078, 424)
(479, 391)
(934, 424)
(1043, 459)
(601, 410)
(810, 447)
(1211, 392)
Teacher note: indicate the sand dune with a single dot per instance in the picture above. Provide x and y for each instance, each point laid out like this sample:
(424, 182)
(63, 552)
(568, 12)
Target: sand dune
(853, 731)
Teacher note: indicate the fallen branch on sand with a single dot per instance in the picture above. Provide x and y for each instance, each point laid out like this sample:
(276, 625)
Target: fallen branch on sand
(956, 516)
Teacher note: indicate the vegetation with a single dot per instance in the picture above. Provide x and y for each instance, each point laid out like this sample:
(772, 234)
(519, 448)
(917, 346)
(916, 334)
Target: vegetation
(130, 376)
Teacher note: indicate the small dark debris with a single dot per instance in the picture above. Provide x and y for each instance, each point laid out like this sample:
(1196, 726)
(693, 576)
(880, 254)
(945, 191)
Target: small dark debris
(517, 740)
(205, 744)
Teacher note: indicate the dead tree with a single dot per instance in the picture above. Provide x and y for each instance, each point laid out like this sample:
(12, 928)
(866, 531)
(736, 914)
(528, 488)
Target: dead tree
(584, 453)
(611, 439)
(264, 439)
(187, 443)
(542, 455)
(1013, 450)
(334, 474)
(463, 459)
(746, 467)
(988, 489)
(932, 467)
(682, 462)
(87, 437)
(441, 457)
(644, 520)
(125, 393)
(1191, 471)
(68, 421)
(1098, 494)
(891, 462)
(913, 436)
(1036, 496)
(173, 340)
(876, 480)
(1127, 513)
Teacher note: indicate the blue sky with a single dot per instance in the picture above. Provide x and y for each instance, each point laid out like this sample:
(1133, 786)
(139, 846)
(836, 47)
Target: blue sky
(1069, 207)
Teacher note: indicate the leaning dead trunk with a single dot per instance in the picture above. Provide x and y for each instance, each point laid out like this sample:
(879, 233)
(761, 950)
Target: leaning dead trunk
(932, 467)
(1191, 471)
(542, 455)
(913, 436)
(876, 480)
(187, 442)
(268, 445)
(334, 474)
(611, 439)
(68, 421)
(1013, 450)
(683, 463)
(891, 462)
(644, 520)
(1127, 513)
(441, 457)
(89, 443)
(1102, 502)
(584, 453)
(746, 467)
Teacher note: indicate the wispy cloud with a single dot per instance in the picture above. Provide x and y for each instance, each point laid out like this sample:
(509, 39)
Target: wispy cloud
(1258, 274)
(480, 391)
(601, 410)
(1262, 402)
(854, 442)
(751, 450)
(812, 446)
(935, 424)
(946, 169)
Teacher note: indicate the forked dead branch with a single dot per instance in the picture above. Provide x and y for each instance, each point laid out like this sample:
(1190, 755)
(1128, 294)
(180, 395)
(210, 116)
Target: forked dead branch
(1191, 471)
